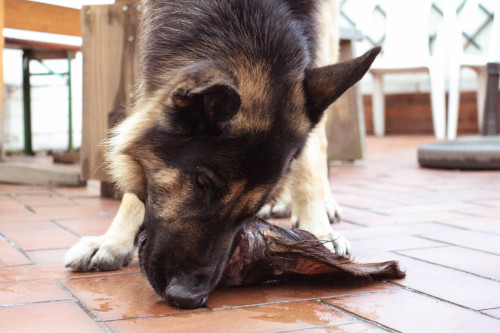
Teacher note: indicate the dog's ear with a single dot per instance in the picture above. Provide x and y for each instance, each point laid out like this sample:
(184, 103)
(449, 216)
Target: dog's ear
(324, 85)
(204, 98)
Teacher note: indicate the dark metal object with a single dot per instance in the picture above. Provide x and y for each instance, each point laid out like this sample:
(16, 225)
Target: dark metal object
(472, 153)
(490, 123)
(27, 57)
(70, 104)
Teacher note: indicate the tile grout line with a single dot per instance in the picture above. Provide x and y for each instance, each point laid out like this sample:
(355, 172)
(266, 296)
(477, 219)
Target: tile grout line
(60, 195)
(453, 268)
(208, 309)
(65, 228)
(466, 229)
(297, 300)
(18, 248)
(35, 302)
(488, 309)
(439, 299)
(85, 309)
(185, 312)
(313, 327)
(469, 214)
(357, 317)
(12, 197)
(456, 245)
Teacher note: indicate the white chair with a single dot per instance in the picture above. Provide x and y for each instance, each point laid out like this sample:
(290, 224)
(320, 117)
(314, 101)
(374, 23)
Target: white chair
(406, 49)
(477, 62)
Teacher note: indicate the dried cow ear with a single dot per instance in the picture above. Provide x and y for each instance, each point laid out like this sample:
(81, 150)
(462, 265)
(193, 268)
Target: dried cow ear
(268, 252)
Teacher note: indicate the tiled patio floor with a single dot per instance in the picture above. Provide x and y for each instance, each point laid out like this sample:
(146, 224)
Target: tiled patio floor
(444, 226)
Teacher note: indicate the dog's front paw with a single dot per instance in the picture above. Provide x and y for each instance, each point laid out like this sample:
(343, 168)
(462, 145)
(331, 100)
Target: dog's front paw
(98, 254)
(316, 220)
(277, 210)
(333, 209)
(336, 242)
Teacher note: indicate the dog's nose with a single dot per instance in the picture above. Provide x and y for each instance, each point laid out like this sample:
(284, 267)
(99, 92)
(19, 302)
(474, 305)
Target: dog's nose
(181, 297)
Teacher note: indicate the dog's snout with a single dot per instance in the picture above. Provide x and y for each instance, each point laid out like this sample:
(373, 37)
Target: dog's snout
(181, 297)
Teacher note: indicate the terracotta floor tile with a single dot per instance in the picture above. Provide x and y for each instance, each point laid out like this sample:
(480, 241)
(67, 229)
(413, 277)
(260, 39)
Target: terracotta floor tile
(348, 328)
(396, 230)
(475, 262)
(49, 271)
(406, 219)
(120, 296)
(87, 227)
(21, 217)
(11, 188)
(425, 209)
(38, 235)
(108, 205)
(62, 316)
(391, 243)
(477, 223)
(93, 189)
(357, 201)
(9, 255)
(461, 288)
(454, 195)
(493, 203)
(47, 199)
(387, 201)
(477, 240)
(47, 256)
(353, 214)
(32, 291)
(70, 212)
(266, 318)
(252, 295)
(9, 207)
(493, 312)
(404, 262)
(481, 211)
(411, 312)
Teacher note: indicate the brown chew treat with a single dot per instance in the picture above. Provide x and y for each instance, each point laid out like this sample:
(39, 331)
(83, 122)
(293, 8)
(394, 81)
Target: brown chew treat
(267, 252)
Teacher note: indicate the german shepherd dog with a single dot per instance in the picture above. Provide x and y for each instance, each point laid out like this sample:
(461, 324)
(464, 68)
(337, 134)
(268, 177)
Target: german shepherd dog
(230, 95)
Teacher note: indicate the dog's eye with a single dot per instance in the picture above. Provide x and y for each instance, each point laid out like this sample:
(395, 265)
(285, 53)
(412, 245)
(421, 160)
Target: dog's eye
(142, 239)
(202, 182)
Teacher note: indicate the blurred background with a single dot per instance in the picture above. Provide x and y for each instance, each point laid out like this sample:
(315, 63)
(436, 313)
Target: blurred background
(408, 108)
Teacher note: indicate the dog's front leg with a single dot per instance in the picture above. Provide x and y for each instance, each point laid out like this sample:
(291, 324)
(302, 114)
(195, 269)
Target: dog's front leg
(114, 249)
(313, 206)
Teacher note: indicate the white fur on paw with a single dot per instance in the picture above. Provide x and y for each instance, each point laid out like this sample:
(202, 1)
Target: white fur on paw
(98, 254)
(277, 210)
(265, 211)
(337, 243)
(333, 209)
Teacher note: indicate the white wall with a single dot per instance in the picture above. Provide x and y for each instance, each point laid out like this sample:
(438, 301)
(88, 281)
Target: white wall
(49, 104)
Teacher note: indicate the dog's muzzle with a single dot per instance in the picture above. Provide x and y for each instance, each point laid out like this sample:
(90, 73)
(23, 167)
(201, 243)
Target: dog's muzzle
(181, 297)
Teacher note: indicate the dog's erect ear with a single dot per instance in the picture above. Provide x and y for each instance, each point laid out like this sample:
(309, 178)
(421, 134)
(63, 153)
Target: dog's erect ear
(205, 97)
(324, 85)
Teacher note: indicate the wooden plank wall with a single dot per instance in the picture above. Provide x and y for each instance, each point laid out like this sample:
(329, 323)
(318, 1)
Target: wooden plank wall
(411, 114)
(35, 16)
(110, 64)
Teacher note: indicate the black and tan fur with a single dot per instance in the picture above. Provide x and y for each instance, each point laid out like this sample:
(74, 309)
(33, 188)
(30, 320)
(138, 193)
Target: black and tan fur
(229, 96)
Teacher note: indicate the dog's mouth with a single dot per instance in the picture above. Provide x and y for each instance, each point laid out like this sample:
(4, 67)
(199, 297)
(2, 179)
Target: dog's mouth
(177, 285)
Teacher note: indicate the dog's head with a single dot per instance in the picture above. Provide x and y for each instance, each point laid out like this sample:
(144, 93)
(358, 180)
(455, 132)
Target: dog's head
(206, 152)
